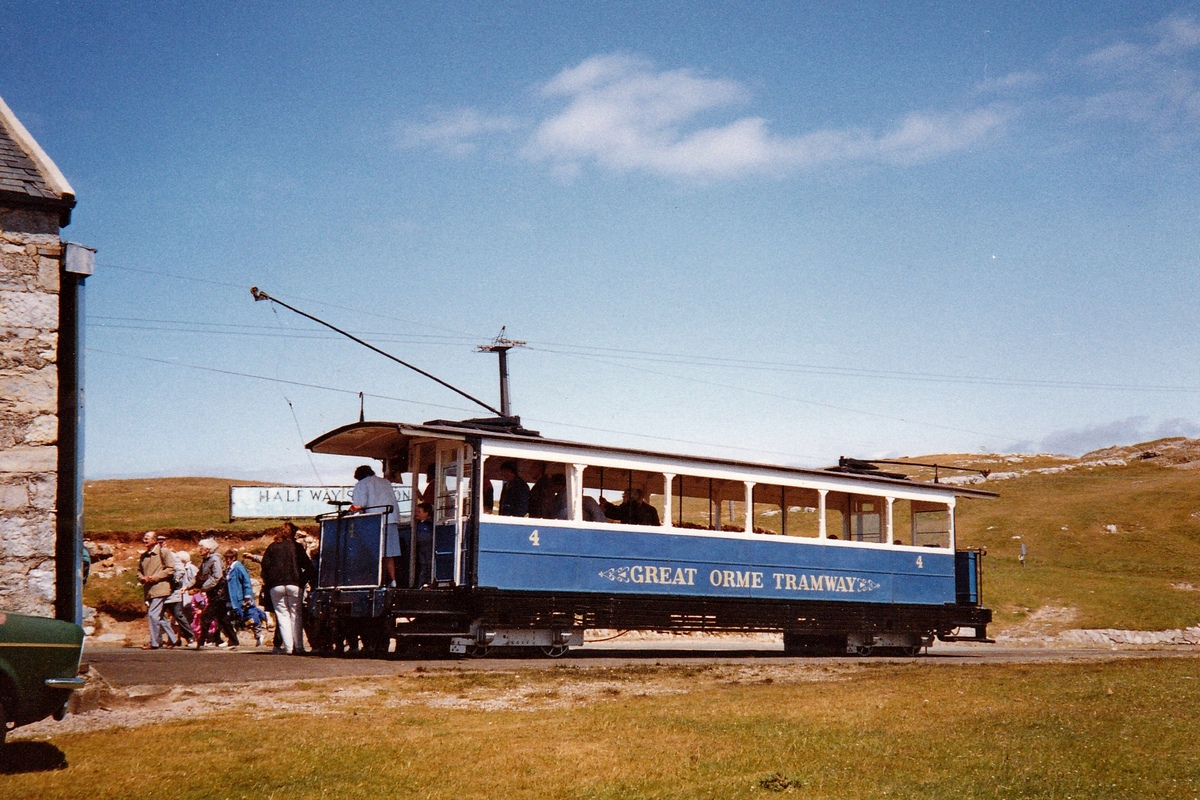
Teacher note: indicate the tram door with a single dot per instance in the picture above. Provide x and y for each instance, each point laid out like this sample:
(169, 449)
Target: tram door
(451, 508)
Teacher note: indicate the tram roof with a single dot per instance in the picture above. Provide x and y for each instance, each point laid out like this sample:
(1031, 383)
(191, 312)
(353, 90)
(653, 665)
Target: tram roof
(381, 440)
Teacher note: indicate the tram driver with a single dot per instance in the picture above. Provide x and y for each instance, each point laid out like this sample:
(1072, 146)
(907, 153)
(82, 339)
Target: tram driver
(374, 492)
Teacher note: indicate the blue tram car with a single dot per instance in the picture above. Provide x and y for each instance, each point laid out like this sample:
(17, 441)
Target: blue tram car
(613, 538)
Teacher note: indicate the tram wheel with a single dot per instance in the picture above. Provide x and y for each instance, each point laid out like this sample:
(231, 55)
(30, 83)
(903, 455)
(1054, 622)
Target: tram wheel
(913, 650)
(477, 651)
(554, 650)
(807, 644)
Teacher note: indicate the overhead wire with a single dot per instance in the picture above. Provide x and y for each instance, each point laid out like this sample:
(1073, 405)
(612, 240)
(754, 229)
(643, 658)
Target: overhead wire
(241, 329)
(792, 398)
(852, 372)
(237, 374)
(270, 331)
(442, 406)
(288, 400)
(672, 358)
(318, 301)
(624, 359)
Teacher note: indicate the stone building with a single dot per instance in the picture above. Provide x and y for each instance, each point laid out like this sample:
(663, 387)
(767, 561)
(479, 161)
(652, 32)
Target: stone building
(41, 294)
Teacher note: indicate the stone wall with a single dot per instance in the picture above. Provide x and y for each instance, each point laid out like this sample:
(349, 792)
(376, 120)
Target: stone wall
(30, 263)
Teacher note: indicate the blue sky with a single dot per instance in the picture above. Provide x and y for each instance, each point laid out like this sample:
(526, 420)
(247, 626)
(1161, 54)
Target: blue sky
(772, 231)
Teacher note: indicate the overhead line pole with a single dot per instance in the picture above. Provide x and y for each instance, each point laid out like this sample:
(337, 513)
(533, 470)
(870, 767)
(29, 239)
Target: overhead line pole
(500, 346)
(261, 295)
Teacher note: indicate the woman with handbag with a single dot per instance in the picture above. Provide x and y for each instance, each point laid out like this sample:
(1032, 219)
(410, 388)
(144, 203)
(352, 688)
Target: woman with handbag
(286, 568)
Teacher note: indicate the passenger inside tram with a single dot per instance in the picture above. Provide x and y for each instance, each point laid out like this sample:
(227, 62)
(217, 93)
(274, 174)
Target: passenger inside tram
(423, 539)
(542, 495)
(634, 510)
(514, 497)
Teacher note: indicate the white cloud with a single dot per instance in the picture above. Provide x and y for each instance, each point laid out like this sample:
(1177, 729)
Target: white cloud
(623, 113)
(1152, 81)
(1018, 81)
(457, 132)
(1178, 34)
(1132, 430)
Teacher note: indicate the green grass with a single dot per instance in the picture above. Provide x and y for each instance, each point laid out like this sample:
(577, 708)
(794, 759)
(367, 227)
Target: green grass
(196, 504)
(120, 596)
(1114, 580)
(1098, 730)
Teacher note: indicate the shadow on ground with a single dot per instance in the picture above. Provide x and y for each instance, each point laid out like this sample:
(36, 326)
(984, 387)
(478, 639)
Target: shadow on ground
(21, 757)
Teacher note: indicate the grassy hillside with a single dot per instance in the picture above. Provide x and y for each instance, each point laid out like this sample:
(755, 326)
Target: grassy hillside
(161, 503)
(1140, 577)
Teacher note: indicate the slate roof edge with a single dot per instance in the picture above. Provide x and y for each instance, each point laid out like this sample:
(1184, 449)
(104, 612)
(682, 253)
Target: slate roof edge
(55, 180)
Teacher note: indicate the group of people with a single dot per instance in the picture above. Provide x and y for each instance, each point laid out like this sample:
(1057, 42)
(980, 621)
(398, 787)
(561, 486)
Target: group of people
(186, 604)
(547, 499)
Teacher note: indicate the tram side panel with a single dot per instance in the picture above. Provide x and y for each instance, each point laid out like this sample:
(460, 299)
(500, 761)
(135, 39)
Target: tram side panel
(553, 559)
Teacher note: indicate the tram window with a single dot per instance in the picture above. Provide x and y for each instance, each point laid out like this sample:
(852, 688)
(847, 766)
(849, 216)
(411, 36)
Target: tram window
(837, 512)
(446, 494)
(547, 488)
(424, 466)
(702, 503)
(546, 480)
(786, 510)
(866, 519)
(691, 504)
(901, 522)
(930, 525)
(450, 489)
(634, 497)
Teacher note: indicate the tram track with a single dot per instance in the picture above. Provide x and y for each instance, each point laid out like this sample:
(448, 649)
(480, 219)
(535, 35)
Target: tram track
(123, 668)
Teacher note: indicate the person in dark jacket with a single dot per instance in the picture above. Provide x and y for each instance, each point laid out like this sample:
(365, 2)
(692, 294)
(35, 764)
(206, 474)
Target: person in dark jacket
(423, 538)
(514, 497)
(543, 495)
(285, 570)
(635, 510)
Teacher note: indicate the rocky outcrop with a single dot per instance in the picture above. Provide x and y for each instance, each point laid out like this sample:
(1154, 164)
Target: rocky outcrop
(1112, 638)
(1178, 451)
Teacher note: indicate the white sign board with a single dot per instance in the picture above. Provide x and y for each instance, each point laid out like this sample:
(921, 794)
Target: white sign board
(287, 502)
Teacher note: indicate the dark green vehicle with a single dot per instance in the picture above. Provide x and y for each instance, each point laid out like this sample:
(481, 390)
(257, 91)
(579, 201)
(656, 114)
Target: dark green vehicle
(39, 668)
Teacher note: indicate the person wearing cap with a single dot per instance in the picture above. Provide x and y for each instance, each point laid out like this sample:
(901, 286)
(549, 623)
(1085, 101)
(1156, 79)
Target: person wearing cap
(156, 568)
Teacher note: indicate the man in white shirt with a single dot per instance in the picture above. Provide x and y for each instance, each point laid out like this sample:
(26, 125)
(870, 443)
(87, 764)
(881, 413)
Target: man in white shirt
(375, 493)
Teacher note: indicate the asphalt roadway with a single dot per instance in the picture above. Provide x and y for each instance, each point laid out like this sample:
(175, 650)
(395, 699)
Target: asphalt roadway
(124, 667)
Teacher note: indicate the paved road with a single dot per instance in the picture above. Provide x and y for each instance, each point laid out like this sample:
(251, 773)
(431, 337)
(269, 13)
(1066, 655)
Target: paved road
(126, 667)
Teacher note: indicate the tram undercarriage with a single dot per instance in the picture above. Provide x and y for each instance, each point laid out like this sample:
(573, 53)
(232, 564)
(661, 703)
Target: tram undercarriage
(444, 621)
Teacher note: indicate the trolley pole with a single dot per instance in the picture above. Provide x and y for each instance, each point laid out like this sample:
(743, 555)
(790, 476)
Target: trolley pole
(500, 346)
